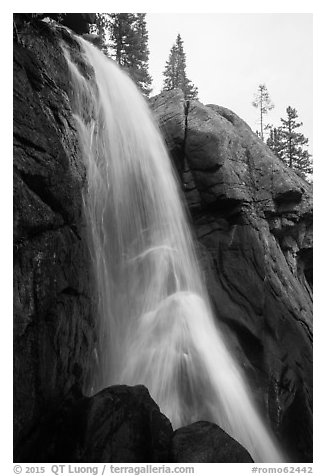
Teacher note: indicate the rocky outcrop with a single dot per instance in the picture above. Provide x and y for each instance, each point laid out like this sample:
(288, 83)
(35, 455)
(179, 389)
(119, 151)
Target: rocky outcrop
(253, 220)
(53, 320)
(204, 442)
(78, 22)
(118, 425)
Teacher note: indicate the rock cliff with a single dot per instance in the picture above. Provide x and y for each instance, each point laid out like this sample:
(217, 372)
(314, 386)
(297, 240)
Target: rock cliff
(252, 218)
(53, 320)
(253, 221)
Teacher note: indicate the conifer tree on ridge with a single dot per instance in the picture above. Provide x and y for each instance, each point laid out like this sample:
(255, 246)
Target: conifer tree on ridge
(289, 145)
(125, 39)
(262, 101)
(175, 72)
(295, 154)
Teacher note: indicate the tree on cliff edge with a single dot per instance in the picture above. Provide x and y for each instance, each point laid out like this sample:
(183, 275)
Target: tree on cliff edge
(262, 101)
(175, 72)
(125, 39)
(295, 154)
(289, 145)
(138, 56)
(275, 142)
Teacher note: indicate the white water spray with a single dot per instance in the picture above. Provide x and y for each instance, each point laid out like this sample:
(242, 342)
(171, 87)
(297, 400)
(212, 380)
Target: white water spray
(156, 326)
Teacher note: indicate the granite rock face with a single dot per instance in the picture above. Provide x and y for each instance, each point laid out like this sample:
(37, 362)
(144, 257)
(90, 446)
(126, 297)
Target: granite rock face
(120, 424)
(53, 320)
(204, 442)
(253, 221)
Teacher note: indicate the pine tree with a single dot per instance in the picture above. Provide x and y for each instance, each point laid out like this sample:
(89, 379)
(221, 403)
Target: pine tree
(138, 55)
(170, 81)
(101, 29)
(125, 39)
(121, 36)
(175, 72)
(263, 102)
(295, 154)
(275, 142)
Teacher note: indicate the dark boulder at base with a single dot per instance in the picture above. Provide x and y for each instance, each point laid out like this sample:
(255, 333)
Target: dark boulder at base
(252, 216)
(120, 424)
(124, 425)
(204, 442)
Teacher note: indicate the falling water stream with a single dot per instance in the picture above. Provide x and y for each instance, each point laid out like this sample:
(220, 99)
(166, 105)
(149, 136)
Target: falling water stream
(156, 325)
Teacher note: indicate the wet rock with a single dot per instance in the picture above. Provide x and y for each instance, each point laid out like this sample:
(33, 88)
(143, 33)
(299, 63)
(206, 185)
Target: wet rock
(253, 219)
(125, 425)
(120, 424)
(204, 442)
(53, 322)
(170, 109)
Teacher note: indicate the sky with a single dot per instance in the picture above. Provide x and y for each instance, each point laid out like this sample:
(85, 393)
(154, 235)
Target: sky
(229, 55)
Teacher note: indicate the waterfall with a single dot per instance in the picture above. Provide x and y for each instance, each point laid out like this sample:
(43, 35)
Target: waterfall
(156, 326)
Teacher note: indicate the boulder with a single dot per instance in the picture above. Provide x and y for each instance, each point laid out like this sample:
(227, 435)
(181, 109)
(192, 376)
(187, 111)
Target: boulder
(204, 442)
(124, 425)
(120, 424)
(252, 216)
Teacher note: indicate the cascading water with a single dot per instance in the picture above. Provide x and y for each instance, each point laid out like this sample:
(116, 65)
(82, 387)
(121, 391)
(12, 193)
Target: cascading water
(156, 326)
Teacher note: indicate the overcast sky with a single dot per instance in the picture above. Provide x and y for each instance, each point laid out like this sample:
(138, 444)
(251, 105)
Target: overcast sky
(229, 55)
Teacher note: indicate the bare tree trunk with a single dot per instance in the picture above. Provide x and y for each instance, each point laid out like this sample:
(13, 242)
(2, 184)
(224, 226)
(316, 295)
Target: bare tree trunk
(261, 116)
